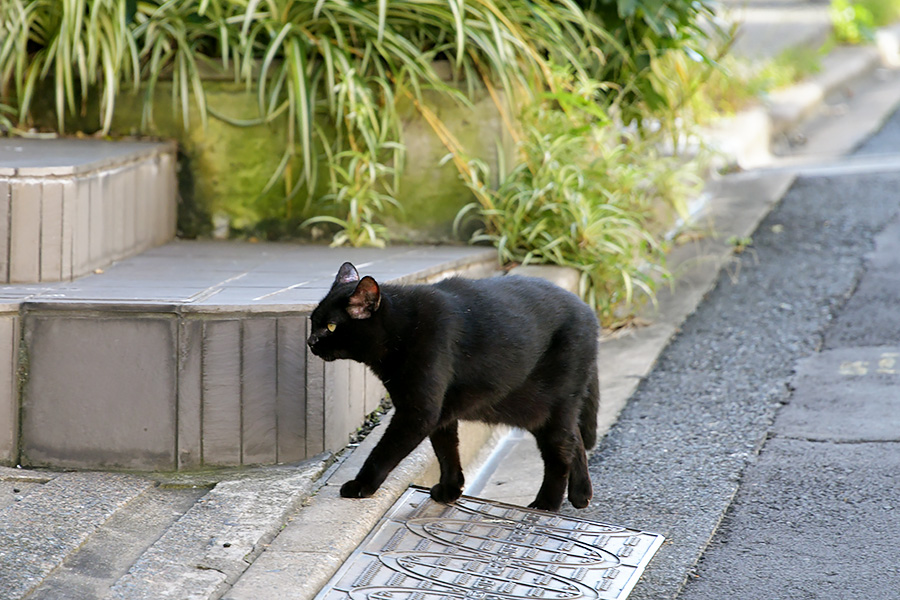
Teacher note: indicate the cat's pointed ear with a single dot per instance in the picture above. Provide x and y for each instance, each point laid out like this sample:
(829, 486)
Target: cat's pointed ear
(365, 300)
(346, 274)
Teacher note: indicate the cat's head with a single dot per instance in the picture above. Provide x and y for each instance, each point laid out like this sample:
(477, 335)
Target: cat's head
(340, 322)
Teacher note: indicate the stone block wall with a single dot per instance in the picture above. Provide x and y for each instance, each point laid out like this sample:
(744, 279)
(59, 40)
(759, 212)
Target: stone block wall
(163, 391)
(192, 355)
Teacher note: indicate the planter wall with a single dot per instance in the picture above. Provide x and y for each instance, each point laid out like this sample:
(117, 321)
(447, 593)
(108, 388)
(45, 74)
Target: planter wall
(224, 168)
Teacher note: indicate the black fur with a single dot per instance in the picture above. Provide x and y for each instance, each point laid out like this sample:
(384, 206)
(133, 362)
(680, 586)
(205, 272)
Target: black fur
(514, 350)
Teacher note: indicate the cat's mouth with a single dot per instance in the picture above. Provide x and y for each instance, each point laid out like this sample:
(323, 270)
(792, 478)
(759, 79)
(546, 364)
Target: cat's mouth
(323, 353)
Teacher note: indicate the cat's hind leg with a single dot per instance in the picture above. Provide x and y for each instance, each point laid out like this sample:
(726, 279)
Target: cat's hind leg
(580, 490)
(557, 446)
(445, 441)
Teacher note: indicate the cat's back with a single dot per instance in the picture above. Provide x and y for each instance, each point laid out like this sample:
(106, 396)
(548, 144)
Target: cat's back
(516, 300)
(511, 324)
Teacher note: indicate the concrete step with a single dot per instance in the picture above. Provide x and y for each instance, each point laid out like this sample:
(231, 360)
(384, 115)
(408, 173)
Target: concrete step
(89, 535)
(192, 355)
(69, 206)
(48, 521)
(109, 552)
(209, 547)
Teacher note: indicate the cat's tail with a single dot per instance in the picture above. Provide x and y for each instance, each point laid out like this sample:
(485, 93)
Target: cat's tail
(587, 419)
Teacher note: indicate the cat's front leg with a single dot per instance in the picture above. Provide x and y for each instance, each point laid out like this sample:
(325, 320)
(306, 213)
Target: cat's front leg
(401, 437)
(445, 441)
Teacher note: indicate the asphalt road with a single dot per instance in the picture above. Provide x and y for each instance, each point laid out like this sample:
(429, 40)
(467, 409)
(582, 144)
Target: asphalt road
(764, 444)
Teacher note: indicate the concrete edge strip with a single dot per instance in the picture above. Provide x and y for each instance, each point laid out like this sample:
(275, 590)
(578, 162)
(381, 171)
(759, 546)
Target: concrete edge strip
(212, 544)
(41, 530)
(842, 66)
(326, 530)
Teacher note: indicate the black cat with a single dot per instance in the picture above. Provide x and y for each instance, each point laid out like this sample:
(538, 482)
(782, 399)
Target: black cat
(514, 350)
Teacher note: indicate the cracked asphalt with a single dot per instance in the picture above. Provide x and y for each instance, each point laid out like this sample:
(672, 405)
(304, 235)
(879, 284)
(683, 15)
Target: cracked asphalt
(764, 444)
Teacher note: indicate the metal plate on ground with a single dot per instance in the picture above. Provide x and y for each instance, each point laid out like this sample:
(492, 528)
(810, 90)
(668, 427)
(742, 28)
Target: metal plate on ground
(484, 550)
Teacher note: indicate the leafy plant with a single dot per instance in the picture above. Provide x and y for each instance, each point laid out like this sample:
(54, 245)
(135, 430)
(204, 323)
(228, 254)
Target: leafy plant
(80, 44)
(853, 22)
(584, 195)
(358, 179)
(884, 12)
(702, 88)
(646, 31)
(333, 68)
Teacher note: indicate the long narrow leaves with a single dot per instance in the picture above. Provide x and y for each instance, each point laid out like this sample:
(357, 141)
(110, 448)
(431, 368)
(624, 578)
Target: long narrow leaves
(332, 75)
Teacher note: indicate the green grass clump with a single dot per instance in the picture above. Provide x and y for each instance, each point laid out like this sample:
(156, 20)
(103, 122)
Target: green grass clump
(855, 21)
(584, 194)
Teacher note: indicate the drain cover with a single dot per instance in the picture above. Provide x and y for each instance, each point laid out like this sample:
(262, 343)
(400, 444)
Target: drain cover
(482, 550)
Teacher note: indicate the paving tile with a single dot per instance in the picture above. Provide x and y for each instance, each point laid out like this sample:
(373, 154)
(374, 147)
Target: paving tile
(5, 189)
(284, 575)
(217, 537)
(190, 394)
(290, 406)
(374, 391)
(68, 156)
(221, 408)
(81, 232)
(112, 227)
(25, 233)
(116, 205)
(98, 226)
(356, 392)
(145, 183)
(133, 196)
(67, 243)
(100, 392)
(168, 195)
(315, 404)
(51, 230)
(123, 199)
(9, 402)
(339, 420)
(53, 520)
(259, 394)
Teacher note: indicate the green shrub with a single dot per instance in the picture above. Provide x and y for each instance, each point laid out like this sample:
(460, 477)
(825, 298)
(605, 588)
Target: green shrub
(647, 30)
(335, 68)
(853, 22)
(706, 89)
(584, 195)
(881, 12)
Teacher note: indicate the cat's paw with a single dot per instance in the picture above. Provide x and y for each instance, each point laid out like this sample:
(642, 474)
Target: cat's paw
(580, 492)
(355, 489)
(543, 504)
(445, 493)
(580, 498)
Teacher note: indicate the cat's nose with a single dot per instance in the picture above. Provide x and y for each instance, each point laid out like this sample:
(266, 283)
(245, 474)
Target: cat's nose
(312, 340)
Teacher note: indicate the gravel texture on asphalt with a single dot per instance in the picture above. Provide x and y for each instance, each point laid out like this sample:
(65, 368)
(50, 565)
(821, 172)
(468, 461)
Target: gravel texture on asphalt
(672, 462)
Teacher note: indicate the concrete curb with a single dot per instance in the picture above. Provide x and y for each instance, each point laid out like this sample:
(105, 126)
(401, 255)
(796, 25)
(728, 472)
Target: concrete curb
(744, 140)
(231, 524)
(323, 534)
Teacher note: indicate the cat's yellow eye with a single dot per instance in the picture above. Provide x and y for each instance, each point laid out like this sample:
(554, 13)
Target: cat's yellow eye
(332, 326)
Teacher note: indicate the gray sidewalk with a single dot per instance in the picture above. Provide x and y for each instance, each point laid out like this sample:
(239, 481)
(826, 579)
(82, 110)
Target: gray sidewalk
(282, 531)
